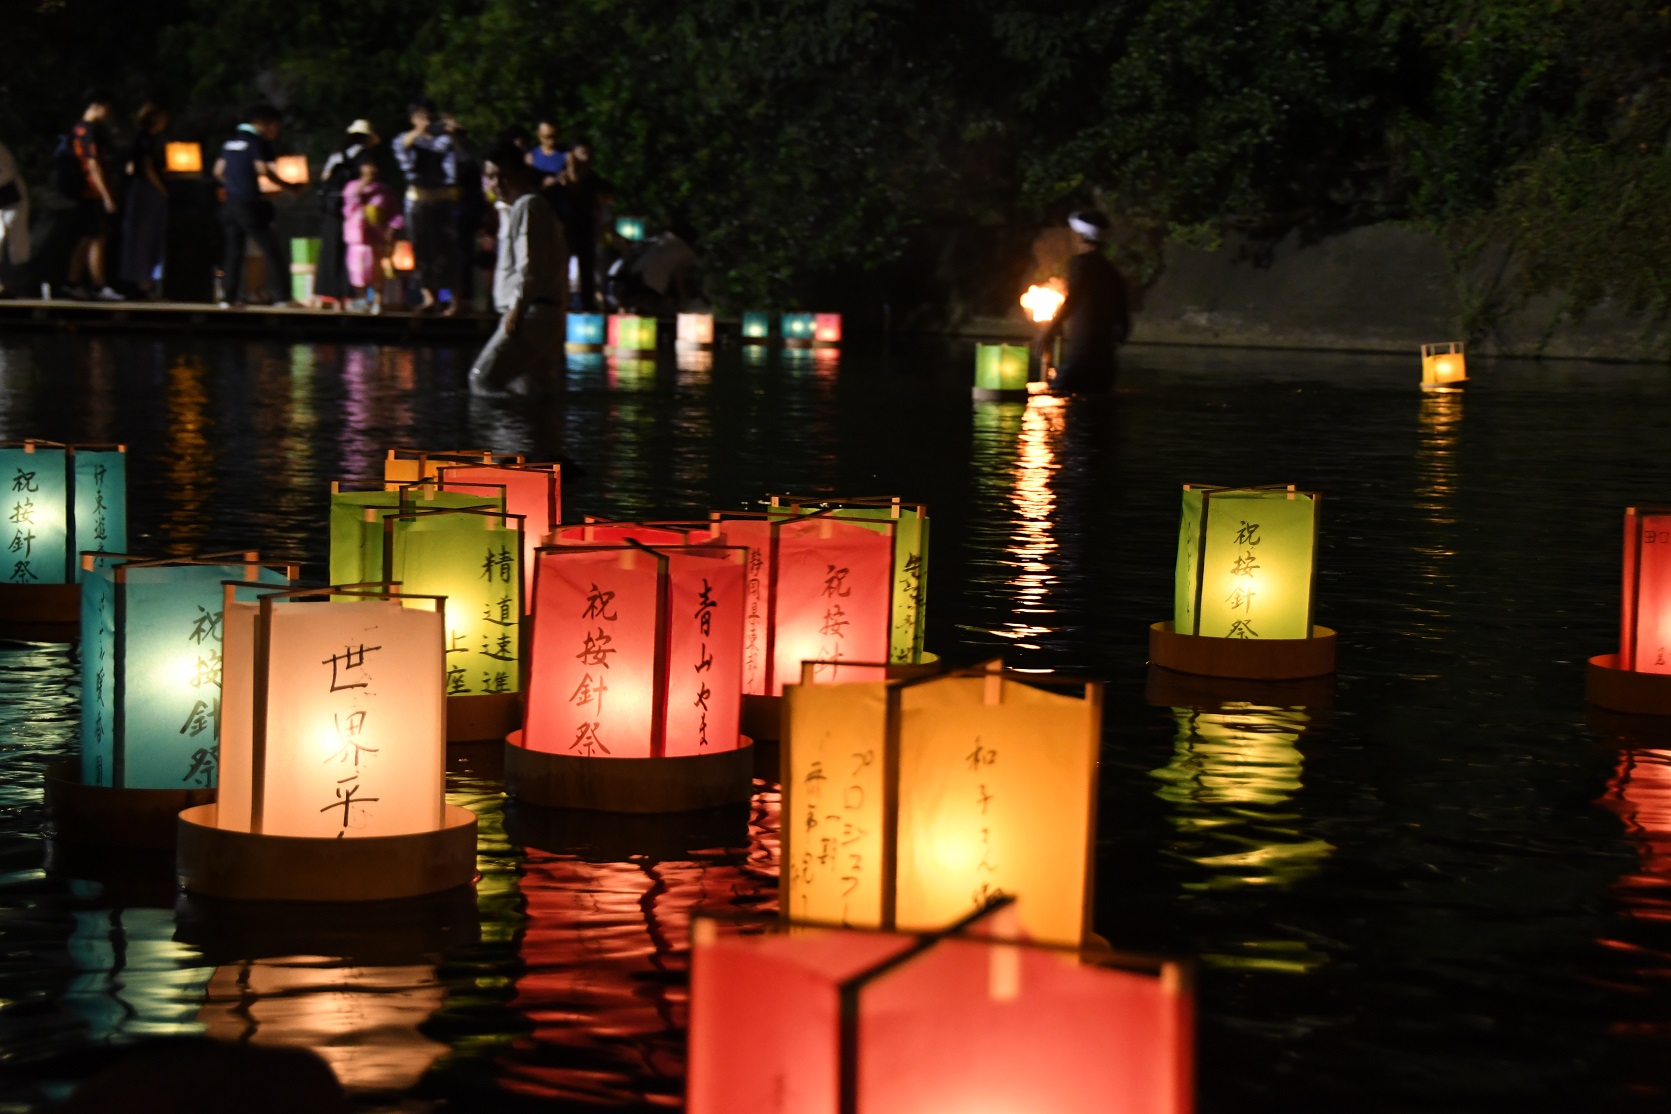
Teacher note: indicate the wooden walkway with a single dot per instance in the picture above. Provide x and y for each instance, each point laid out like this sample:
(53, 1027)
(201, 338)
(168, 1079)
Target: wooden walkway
(65, 315)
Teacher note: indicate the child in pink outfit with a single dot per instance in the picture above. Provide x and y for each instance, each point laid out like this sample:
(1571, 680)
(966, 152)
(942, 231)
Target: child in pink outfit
(370, 212)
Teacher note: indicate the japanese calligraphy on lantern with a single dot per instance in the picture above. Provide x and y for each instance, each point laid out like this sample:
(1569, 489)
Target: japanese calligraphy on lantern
(1645, 627)
(59, 500)
(533, 491)
(101, 517)
(834, 594)
(1245, 563)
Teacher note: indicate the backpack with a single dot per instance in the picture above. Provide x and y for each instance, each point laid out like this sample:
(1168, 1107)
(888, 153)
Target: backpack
(68, 177)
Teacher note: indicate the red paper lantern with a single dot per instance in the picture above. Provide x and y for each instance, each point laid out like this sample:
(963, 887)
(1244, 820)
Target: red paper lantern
(966, 1020)
(402, 256)
(1637, 679)
(604, 532)
(826, 328)
(533, 491)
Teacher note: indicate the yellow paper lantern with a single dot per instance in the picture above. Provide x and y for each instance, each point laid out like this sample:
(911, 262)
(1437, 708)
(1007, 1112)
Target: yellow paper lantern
(907, 804)
(183, 158)
(1444, 366)
(292, 169)
(694, 330)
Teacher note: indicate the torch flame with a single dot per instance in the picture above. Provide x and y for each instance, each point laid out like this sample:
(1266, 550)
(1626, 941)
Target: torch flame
(1043, 301)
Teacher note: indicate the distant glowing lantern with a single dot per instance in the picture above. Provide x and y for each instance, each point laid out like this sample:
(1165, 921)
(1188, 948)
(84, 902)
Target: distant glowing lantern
(585, 332)
(798, 329)
(630, 228)
(150, 696)
(473, 559)
(1444, 366)
(532, 491)
(1637, 679)
(356, 522)
(970, 1018)
(183, 158)
(954, 789)
(1043, 302)
(333, 753)
(1243, 592)
(694, 330)
(630, 334)
(292, 169)
(826, 328)
(60, 501)
(402, 257)
(757, 328)
(1001, 371)
(633, 696)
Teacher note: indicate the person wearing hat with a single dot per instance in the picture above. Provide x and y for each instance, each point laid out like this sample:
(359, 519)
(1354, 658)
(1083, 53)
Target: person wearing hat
(1095, 319)
(331, 278)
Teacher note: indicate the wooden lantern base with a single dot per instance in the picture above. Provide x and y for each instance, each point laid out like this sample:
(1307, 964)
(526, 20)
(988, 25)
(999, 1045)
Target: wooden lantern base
(215, 862)
(482, 716)
(571, 346)
(40, 612)
(997, 394)
(1251, 659)
(1625, 690)
(1168, 689)
(683, 784)
(141, 819)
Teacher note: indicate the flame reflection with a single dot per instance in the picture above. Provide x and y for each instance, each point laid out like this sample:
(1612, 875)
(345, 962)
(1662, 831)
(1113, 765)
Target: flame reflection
(190, 459)
(131, 978)
(1027, 558)
(1639, 793)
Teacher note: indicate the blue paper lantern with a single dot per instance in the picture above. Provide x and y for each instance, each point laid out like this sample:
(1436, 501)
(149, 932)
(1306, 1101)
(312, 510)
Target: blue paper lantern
(757, 328)
(586, 331)
(629, 228)
(61, 500)
(798, 328)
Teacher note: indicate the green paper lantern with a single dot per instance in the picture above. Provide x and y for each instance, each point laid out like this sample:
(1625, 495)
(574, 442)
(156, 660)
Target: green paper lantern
(757, 326)
(61, 501)
(356, 522)
(799, 327)
(1001, 368)
(151, 667)
(629, 228)
(1246, 562)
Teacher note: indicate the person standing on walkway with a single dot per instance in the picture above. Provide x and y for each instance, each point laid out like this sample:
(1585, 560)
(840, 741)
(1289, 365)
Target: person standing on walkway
(530, 285)
(14, 224)
(244, 160)
(1095, 319)
(428, 156)
(370, 212)
(331, 281)
(145, 223)
(89, 144)
(581, 188)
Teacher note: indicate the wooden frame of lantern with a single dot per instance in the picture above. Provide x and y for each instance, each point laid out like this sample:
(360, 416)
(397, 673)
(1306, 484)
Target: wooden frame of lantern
(584, 332)
(183, 158)
(1637, 679)
(82, 810)
(1444, 366)
(757, 327)
(631, 334)
(652, 765)
(1002, 372)
(277, 691)
(798, 329)
(693, 330)
(968, 1016)
(941, 791)
(407, 466)
(1214, 632)
(534, 491)
(470, 579)
(355, 519)
(58, 511)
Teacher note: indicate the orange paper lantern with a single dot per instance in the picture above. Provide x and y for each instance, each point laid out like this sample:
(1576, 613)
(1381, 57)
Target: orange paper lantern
(183, 158)
(966, 1020)
(595, 531)
(402, 256)
(1637, 679)
(534, 491)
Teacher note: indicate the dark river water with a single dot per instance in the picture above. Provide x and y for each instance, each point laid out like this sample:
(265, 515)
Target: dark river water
(1433, 884)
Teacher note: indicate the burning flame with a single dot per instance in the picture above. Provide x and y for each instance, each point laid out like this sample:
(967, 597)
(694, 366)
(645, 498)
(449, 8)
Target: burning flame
(1043, 301)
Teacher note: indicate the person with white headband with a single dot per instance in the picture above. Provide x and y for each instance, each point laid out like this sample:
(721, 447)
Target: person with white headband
(1096, 317)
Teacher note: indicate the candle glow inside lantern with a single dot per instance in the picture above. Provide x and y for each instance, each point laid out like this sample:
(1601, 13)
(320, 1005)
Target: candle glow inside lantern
(1001, 372)
(356, 522)
(757, 328)
(630, 228)
(585, 332)
(402, 258)
(532, 491)
(970, 1018)
(634, 683)
(1637, 679)
(910, 803)
(60, 501)
(333, 753)
(826, 328)
(183, 158)
(629, 333)
(694, 330)
(798, 329)
(1243, 589)
(291, 168)
(1444, 366)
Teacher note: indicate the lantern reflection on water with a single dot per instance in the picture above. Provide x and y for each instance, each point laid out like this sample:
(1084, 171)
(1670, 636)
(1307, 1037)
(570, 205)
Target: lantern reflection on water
(1637, 679)
(332, 738)
(970, 1018)
(941, 792)
(1243, 588)
(634, 683)
(60, 501)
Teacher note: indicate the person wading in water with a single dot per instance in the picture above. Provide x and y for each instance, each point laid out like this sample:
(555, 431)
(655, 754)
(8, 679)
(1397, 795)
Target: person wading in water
(1096, 317)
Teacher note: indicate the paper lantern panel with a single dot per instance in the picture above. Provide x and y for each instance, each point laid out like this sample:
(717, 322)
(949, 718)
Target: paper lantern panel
(757, 326)
(1001, 367)
(183, 158)
(61, 500)
(631, 333)
(1645, 625)
(1246, 563)
(356, 524)
(630, 228)
(797, 326)
(586, 329)
(695, 328)
(533, 491)
(826, 328)
(618, 533)
(1444, 366)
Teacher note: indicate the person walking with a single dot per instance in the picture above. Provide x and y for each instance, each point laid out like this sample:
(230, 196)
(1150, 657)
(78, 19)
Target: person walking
(331, 281)
(145, 223)
(530, 286)
(1095, 318)
(428, 156)
(89, 146)
(244, 161)
(370, 212)
(14, 225)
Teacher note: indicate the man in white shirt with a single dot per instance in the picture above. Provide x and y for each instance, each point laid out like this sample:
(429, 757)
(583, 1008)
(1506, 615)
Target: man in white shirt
(530, 285)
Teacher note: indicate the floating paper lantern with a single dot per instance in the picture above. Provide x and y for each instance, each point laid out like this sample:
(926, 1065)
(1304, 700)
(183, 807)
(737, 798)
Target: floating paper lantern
(1242, 597)
(798, 329)
(532, 491)
(333, 753)
(402, 258)
(150, 696)
(292, 169)
(629, 333)
(405, 466)
(60, 501)
(909, 803)
(356, 522)
(183, 158)
(1001, 371)
(757, 328)
(630, 228)
(605, 532)
(694, 330)
(1444, 366)
(634, 680)
(826, 328)
(967, 1019)
(585, 332)
(1637, 679)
